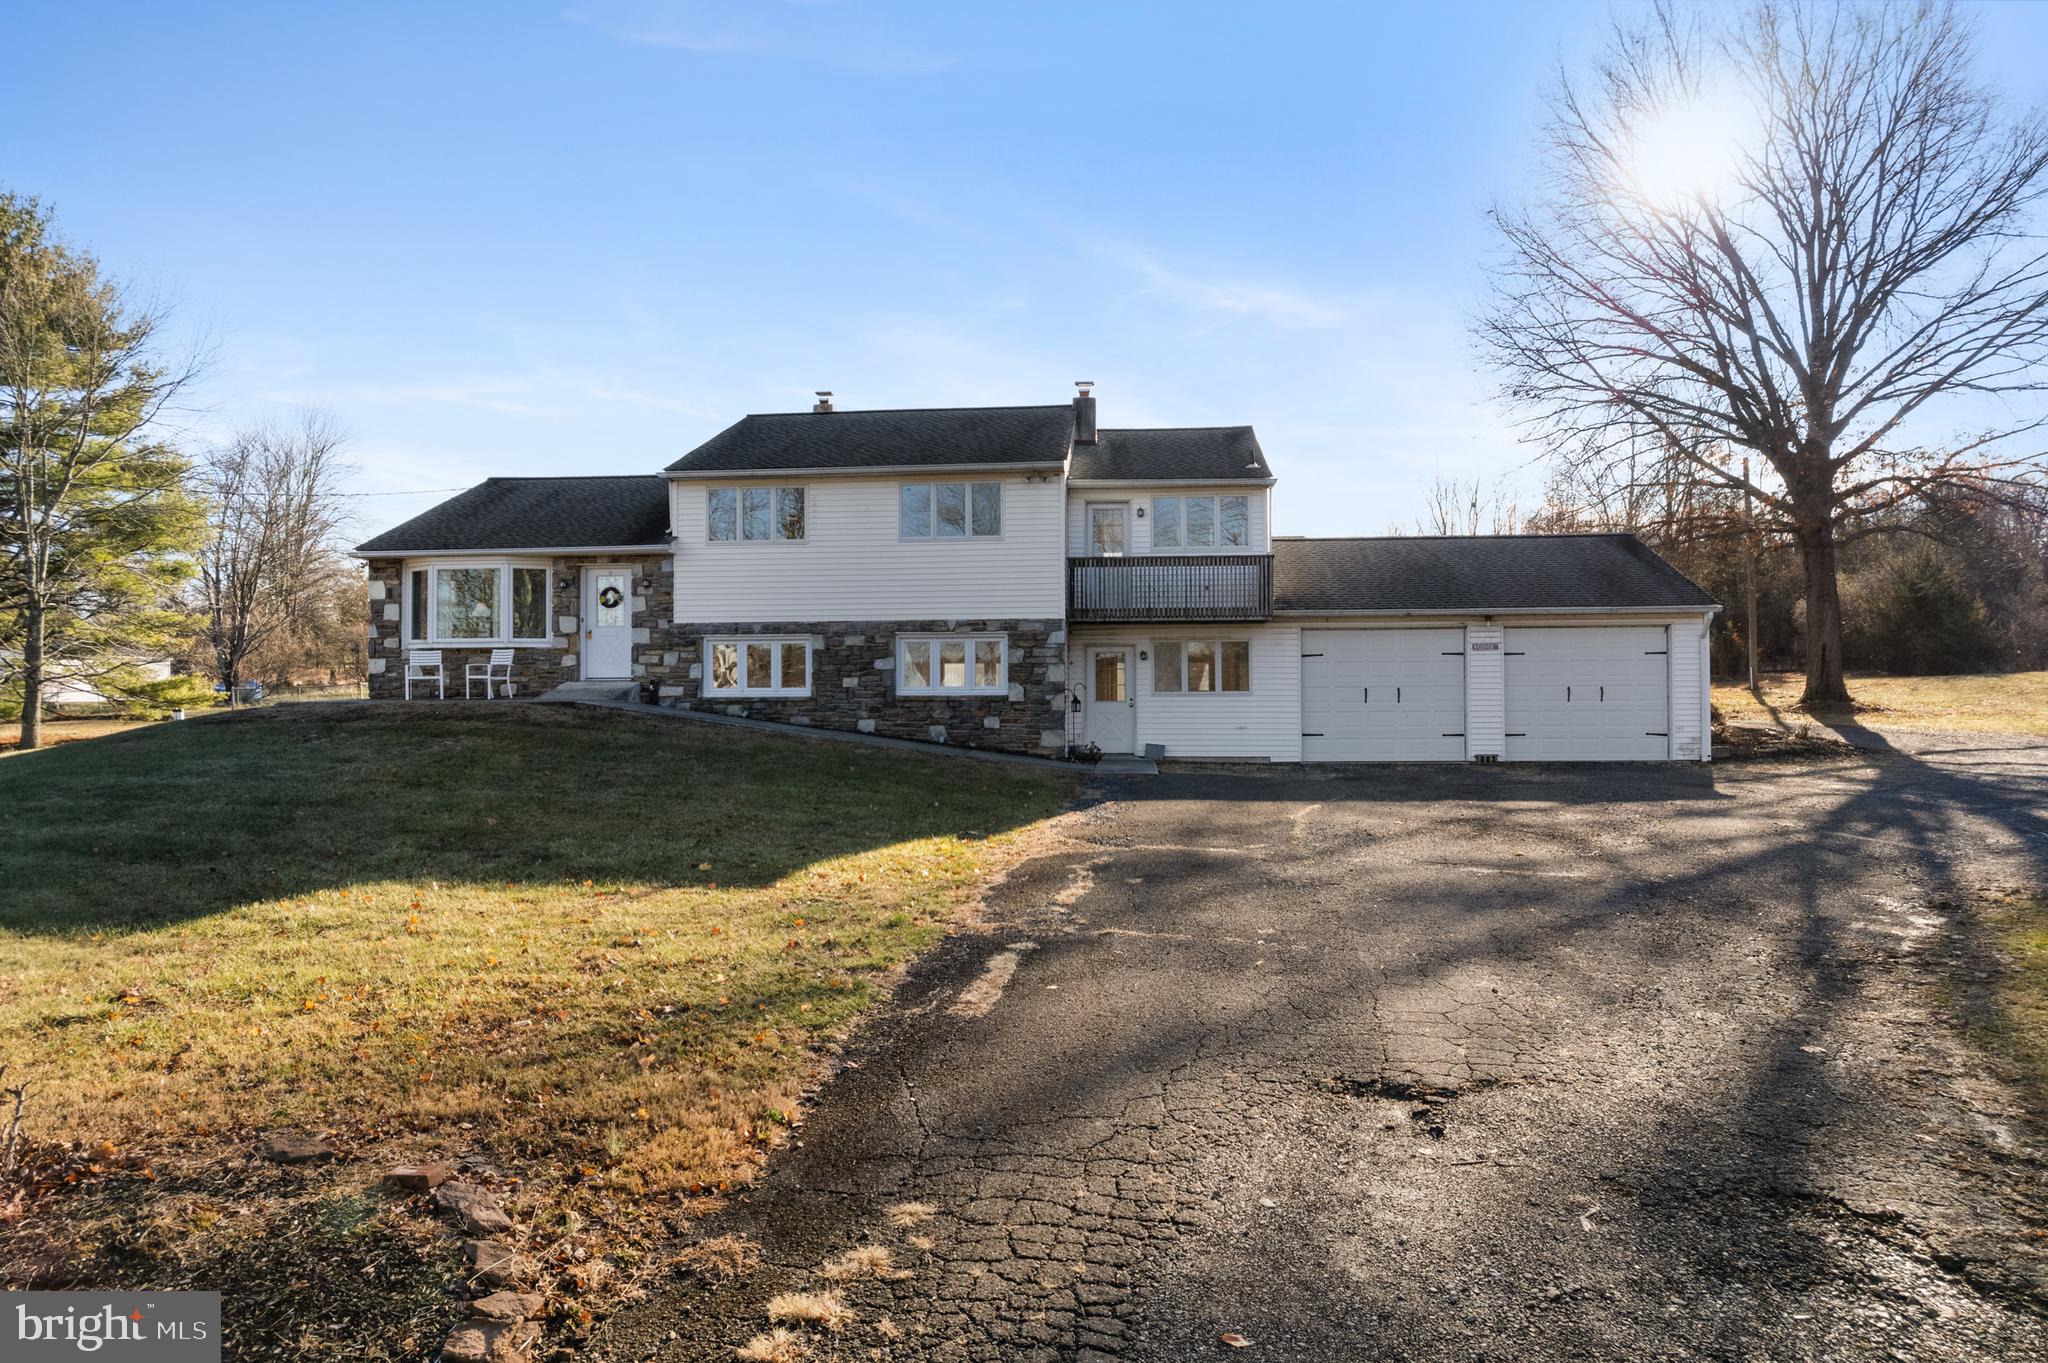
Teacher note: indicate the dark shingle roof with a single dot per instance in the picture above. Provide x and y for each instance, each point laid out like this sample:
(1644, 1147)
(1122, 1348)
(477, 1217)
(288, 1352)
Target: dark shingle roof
(538, 513)
(1209, 454)
(905, 438)
(1477, 573)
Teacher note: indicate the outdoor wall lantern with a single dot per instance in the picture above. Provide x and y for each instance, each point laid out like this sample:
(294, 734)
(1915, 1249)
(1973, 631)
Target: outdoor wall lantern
(566, 582)
(1143, 655)
(1141, 513)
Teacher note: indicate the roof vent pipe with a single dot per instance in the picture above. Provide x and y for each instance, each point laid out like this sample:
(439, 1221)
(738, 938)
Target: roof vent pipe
(824, 402)
(1084, 412)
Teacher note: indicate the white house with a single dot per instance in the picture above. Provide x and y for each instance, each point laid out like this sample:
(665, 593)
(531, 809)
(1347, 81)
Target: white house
(1017, 578)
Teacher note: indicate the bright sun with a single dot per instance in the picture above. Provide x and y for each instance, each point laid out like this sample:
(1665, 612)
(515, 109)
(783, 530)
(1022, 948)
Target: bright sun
(1686, 152)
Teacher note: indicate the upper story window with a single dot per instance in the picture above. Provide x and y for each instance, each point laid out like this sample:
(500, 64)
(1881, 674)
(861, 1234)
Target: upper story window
(1201, 522)
(756, 513)
(950, 511)
(480, 602)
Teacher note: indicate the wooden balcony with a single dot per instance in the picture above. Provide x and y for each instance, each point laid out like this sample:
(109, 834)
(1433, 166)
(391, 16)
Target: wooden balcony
(1146, 587)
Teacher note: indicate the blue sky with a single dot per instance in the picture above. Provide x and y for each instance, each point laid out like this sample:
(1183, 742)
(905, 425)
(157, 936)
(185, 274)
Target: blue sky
(523, 238)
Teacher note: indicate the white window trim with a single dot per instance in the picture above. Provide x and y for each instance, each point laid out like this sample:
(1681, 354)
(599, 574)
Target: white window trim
(1248, 547)
(775, 643)
(1217, 642)
(1088, 510)
(503, 638)
(905, 642)
(775, 535)
(935, 537)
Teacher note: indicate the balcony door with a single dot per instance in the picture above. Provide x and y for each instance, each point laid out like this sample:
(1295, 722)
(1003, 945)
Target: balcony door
(1109, 529)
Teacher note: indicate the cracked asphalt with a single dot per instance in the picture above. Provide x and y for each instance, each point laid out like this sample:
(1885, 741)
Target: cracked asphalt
(1444, 1063)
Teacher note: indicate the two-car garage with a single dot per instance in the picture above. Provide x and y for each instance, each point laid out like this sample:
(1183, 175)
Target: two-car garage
(1562, 693)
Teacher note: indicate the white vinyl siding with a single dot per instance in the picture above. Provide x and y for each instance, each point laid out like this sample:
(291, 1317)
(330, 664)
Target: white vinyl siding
(1485, 703)
(1263, 723)
(1690, 731)
(854, 565)
(1258, 517)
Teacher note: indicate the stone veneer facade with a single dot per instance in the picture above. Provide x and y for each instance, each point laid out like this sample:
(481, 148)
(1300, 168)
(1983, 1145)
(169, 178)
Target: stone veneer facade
(853, 665)
(534, 668)
(853, 683)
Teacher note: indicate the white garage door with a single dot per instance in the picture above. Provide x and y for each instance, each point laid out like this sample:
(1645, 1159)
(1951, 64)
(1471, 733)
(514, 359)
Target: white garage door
(1587, 695)
(1383, 695)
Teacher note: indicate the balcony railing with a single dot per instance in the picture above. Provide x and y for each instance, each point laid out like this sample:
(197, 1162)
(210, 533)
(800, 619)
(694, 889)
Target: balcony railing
(1171, 587)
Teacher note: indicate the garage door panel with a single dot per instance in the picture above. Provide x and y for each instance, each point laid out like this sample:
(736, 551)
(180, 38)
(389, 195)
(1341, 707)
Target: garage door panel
(1586, 695)
(1383, 695)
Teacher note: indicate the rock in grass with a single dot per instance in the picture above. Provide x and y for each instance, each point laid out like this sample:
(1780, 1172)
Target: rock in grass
(495, 1265)
(293, 1147)
(491, 1342)
(504, 1306)
(476, 1209)
(419, 1178)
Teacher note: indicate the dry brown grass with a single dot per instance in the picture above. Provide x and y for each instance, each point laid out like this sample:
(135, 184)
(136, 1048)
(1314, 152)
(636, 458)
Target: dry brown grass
(821, 1310)
(862, 1262)
(2013, 703)
(56, 731)
(777, 1346)
(906, 1215)
(722, 1256)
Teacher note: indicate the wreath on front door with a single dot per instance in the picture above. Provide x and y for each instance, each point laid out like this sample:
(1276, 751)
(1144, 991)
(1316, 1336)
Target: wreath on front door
(609, 597)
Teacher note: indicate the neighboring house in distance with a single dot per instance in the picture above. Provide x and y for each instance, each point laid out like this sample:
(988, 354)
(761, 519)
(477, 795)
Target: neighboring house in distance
(1016, 578)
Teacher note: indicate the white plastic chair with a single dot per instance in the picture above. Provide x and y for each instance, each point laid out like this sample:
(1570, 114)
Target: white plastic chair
(425, 665)
(498, 669)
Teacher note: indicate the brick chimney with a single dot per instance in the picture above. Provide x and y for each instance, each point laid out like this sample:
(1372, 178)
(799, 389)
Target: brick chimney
(824, 402)
(1084, 412)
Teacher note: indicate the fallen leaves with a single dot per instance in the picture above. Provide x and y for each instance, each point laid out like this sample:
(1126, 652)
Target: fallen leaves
(1234, 1340)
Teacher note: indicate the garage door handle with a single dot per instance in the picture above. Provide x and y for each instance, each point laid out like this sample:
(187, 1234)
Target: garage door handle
(1368, 694)
(1397, 695)
(1603, 693)
(1567, 693)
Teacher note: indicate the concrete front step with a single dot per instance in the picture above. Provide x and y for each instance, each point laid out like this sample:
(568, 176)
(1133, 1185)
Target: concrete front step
(613, 691)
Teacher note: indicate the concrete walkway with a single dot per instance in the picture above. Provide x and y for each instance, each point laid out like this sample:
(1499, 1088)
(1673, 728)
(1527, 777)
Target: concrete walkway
(1111, 766)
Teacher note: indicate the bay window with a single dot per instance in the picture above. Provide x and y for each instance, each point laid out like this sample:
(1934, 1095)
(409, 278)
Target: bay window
(477, 602)
(758, 666)
(1201, 523)
(962, 665)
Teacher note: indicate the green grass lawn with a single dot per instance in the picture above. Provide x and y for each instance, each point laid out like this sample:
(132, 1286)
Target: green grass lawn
(2010, 703)
(600, 951)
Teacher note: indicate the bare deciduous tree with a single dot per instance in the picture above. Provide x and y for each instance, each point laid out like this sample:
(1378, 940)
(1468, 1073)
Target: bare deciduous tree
(1865, 253)
(1455, 506)
(269, 552)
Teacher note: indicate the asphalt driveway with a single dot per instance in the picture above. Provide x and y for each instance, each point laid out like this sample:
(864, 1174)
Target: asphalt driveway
(1456, 1063)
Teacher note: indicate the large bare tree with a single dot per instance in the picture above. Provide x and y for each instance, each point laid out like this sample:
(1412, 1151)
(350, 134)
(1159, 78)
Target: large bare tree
(1801, 233)
(269, 555)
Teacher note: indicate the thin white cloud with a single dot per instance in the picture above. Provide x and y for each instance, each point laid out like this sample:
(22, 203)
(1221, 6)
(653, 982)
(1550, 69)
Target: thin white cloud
(1222, 297)
(797, 30)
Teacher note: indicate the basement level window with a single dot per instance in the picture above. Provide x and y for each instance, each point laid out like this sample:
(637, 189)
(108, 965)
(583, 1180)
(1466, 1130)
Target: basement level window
(1201, 665)
(759, 667)
(953, 665)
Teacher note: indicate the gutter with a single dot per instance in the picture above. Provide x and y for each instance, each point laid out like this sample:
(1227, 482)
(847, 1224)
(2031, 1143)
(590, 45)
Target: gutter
(530, 551)
(934, 471)
(1296, 611)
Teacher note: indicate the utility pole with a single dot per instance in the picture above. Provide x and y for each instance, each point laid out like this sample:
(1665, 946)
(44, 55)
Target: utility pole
(1749, 536)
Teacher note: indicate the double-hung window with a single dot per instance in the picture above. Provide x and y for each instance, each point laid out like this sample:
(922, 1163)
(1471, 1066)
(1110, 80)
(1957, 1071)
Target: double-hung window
(759, 666)
(1201, 522)
(754, 513)
(949, 511)
(481, 602)
(1201, 665)
(953, 665)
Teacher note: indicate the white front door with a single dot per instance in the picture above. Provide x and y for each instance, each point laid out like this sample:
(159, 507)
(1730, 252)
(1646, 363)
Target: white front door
(1109, 525)
(607, 623)
(1587, 695)
(1112, 709)
(1383, 695)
